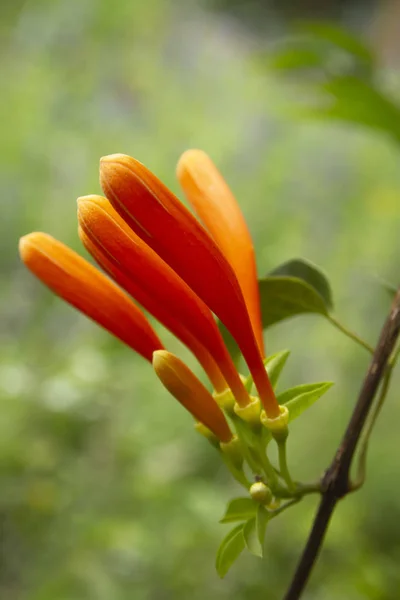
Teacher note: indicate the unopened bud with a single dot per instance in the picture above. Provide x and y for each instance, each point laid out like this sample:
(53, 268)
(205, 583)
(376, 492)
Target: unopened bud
(191, 393)
(261, 493)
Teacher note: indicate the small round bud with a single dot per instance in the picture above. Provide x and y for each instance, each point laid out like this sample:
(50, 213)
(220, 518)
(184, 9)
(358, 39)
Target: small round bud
(261, 493)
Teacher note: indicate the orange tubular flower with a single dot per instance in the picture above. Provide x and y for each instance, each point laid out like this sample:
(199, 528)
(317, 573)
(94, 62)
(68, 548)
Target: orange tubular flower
(148, 302)
(214, 203)
(191, 393)
(157, 216)
(74, 279)
(130, 255)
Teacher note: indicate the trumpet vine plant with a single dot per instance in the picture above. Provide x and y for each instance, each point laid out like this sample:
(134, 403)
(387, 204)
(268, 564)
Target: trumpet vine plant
(198, 278)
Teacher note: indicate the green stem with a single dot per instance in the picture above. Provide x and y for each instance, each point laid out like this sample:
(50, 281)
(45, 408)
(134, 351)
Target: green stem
(353, 336)
(299, 491)
(236, 473)
(283, 465)
(268, 470)
(282, 508)
(362, 457)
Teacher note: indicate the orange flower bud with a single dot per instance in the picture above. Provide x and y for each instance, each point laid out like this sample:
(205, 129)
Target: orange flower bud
(136, 261)
(191, 393)
(148, 302)
(80, 284)
(216, 206)
(160, 220)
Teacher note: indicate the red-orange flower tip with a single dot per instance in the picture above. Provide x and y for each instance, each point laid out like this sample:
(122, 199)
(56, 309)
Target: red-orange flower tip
(214, 203)
(80, 284)
(191, 393)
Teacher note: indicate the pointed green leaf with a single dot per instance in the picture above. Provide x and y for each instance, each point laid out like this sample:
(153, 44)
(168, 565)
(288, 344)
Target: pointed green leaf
(262, 519)
(303, 388)
(230, 549)
(293, 288)
(285, 297)
(295, 56)
(274, 365)
(239, 509)
(341, 38)
(301, 397)
(357, 101)
(308, 272)
(250, 535)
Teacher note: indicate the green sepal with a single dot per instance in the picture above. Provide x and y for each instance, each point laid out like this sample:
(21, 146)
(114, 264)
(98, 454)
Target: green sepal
(301, 397)
(239, 509)
(230, 549)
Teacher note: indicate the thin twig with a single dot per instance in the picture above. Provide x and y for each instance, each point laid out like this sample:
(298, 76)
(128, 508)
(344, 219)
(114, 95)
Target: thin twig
(335, 483)
(350, 334)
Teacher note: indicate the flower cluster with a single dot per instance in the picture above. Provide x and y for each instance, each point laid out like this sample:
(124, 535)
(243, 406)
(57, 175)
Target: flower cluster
(152, 246)
(153, 250)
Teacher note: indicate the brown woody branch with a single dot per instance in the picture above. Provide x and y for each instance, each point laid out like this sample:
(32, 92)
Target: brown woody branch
(336, 480)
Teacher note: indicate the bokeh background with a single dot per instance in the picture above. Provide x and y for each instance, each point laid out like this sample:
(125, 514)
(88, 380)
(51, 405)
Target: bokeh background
(105, 490)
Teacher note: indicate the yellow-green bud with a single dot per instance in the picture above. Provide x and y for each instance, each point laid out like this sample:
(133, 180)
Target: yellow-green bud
(261, 493)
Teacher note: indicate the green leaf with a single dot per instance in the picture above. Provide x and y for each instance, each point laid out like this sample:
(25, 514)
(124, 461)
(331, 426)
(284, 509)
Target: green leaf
(341, 38)
(239, 509)
(358, 101)
(230, 549)
(230, 343)
(274, 365)
(285, 297)
(301, 397)
(262, 519)
(310, 273)
(296, 56)
(250, 535)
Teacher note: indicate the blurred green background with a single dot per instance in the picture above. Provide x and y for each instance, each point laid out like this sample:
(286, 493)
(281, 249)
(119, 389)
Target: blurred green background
(105, 490)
